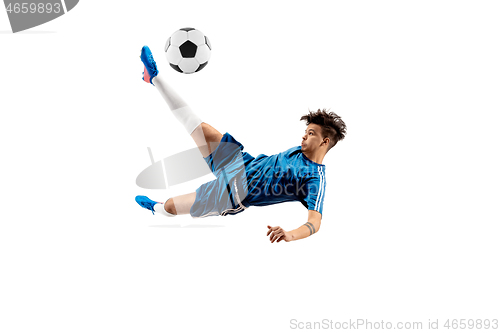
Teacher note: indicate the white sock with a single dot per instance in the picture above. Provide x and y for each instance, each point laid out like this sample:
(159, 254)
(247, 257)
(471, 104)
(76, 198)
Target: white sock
(179, 108)
(160, 208)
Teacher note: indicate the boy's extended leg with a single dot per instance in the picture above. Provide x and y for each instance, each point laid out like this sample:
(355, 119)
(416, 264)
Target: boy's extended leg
(205, 136)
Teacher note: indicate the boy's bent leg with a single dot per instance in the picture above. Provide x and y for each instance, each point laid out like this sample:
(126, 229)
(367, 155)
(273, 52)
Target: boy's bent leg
(181, 204)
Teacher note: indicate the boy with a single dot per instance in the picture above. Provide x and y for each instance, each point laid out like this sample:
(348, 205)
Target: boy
(243, 180)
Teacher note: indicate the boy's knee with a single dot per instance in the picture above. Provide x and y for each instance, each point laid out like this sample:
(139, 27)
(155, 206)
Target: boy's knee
(211, 134)
(170, 207)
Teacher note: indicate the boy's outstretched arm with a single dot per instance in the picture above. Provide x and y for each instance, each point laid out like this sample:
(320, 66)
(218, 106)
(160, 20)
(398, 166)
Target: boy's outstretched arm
(277, 234)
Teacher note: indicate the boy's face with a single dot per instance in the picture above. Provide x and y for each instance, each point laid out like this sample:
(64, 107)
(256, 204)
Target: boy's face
(312, 138)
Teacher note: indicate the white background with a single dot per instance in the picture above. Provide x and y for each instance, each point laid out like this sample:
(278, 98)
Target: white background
(410, 224)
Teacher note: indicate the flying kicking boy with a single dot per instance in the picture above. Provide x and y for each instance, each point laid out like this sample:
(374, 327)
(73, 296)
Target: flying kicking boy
(242, 180)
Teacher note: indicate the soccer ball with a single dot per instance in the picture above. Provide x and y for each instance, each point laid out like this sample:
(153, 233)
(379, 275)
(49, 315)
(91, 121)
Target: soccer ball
(188, 50)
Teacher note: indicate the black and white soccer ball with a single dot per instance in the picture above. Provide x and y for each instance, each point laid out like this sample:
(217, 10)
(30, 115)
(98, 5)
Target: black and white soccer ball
(188, 50)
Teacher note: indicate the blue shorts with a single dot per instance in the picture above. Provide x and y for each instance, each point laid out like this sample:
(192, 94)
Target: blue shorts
(226, 194)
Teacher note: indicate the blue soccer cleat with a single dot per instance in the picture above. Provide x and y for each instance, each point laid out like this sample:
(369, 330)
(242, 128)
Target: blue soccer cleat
(145, 202)
(150, 69)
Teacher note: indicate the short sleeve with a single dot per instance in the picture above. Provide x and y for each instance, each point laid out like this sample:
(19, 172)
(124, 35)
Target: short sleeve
(316, 193)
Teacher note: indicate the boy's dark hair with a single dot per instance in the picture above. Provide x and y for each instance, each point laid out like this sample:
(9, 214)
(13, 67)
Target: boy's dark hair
(332, 126)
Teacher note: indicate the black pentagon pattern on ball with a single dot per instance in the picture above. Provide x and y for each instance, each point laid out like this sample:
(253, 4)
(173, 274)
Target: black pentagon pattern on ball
(187, 29)
(201, 67)
(188, 49)
(176, 68)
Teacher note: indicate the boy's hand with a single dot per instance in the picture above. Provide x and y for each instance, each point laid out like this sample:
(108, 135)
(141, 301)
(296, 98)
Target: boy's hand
(278, 234)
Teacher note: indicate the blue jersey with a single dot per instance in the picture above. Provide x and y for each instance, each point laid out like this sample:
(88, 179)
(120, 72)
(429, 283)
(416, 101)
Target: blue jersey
(287, 176)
